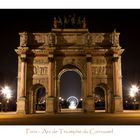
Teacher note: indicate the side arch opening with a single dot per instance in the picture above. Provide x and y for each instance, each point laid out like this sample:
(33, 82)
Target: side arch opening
(38, 99)
(99, 98)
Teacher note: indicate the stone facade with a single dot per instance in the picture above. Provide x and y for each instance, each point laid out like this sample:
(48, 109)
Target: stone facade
(44, 57)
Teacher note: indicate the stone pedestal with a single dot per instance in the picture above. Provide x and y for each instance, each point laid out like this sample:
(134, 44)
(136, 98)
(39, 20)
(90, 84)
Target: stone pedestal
(88, 104)
(21, 106)
(117, 104)
(51, 105)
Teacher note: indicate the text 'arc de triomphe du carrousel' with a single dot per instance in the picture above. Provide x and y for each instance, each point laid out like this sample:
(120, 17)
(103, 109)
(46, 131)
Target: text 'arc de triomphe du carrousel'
(43, 58)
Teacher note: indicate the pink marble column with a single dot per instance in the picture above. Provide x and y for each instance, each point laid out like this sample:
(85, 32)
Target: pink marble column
(23, 78)
(50, 76)
(89, 77)
(115, 76)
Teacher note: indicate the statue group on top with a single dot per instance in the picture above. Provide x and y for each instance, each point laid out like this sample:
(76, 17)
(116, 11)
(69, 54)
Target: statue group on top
(69, 22)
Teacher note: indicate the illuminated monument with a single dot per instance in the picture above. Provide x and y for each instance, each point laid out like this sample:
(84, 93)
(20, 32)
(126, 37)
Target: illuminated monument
(44, 57)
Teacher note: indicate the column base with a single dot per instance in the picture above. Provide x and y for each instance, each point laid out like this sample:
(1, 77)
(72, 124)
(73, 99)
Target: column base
(51, 105)
(88, 104)
(21, 106)
(117, 105)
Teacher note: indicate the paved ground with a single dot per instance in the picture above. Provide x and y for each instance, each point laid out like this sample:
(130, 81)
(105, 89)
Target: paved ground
(98, 118)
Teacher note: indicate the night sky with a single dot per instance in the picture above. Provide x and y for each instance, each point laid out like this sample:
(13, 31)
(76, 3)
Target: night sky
(127, 22)
(71, 88)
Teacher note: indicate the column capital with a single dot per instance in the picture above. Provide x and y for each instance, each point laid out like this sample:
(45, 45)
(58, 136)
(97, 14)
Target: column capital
(23, 59)
(88, 57)
(50, 59)
(115, 59)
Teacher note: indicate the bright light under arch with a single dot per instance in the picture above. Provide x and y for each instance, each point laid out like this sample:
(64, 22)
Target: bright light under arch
(73, 102)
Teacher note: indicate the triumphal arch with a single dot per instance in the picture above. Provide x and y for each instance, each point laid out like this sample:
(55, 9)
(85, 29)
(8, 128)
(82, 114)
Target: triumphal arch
(44, 57)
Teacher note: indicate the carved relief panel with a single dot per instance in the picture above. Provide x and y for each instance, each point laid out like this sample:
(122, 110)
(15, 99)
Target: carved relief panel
(101, 66)
(42, 81)
(40, 66)
(70, 39)
(78, 62)
(99, 70)
(40, 70)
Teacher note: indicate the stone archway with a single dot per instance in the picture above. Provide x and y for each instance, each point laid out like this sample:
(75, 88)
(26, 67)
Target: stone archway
(44, 57)
(101, 97)
(71, 90)
(37, 98)
(40, 99)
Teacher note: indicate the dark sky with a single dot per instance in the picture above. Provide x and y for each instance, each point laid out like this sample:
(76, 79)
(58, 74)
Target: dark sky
(71, 88)
(127, 22)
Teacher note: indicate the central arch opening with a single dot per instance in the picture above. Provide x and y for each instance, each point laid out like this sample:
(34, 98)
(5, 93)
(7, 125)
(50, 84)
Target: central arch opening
(70, 98)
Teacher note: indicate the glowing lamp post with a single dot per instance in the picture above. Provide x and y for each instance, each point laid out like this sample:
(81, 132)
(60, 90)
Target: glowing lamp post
(133, 90)
(6, 91)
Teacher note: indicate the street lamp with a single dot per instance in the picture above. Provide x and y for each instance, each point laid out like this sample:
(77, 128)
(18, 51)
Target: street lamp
(6, 91)
(133, 90)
